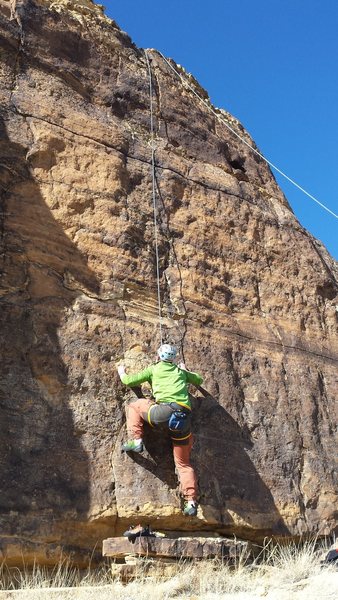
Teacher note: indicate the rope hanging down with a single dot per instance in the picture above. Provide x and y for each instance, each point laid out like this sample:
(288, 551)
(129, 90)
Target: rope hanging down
(222, 120)
(153, 174)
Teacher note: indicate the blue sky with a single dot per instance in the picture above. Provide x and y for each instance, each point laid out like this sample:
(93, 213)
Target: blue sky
(273, 65)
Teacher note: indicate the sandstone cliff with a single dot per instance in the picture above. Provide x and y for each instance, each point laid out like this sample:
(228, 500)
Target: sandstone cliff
(248, 295)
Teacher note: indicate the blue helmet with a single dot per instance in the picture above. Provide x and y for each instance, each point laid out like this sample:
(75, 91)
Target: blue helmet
(167, 352)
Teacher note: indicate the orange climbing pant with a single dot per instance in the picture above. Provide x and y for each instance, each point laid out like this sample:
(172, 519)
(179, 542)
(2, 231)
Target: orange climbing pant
(140, 411)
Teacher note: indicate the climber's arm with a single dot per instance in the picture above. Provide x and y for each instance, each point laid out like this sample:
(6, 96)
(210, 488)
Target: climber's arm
(136, 378)
(193, 378)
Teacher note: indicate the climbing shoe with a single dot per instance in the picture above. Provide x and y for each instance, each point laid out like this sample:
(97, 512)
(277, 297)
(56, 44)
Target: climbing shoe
(132, 446)
(190, 508)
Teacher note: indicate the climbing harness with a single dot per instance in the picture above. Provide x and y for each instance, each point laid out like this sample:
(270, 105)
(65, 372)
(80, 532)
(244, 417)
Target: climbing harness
(153, 175)
(234, 132)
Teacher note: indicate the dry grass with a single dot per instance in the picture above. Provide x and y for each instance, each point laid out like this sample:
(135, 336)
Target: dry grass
(280, 573)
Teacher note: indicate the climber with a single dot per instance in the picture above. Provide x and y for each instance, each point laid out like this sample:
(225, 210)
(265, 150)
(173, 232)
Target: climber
(171, 409)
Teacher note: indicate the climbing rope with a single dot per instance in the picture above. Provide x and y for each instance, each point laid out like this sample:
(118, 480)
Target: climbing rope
(234, 132)
(153, 175)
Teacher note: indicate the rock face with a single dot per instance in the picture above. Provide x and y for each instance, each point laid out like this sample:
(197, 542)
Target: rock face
(248, 295)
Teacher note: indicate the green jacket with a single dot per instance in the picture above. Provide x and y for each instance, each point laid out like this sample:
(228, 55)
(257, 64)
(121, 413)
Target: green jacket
(168, 381)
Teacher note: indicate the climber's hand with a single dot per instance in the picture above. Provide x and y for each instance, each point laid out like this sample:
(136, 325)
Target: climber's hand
(182, 366)
(121, 369)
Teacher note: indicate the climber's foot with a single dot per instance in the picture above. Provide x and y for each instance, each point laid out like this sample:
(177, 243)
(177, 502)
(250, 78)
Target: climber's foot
(133, 446)
(190, 508)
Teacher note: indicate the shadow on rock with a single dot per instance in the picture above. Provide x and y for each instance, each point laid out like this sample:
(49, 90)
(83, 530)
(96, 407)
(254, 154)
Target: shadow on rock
(158, 458)
(43, 468)
(232, 493)
(233, 496)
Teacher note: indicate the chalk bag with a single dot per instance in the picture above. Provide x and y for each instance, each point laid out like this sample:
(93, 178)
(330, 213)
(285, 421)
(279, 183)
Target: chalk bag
(178, 420)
